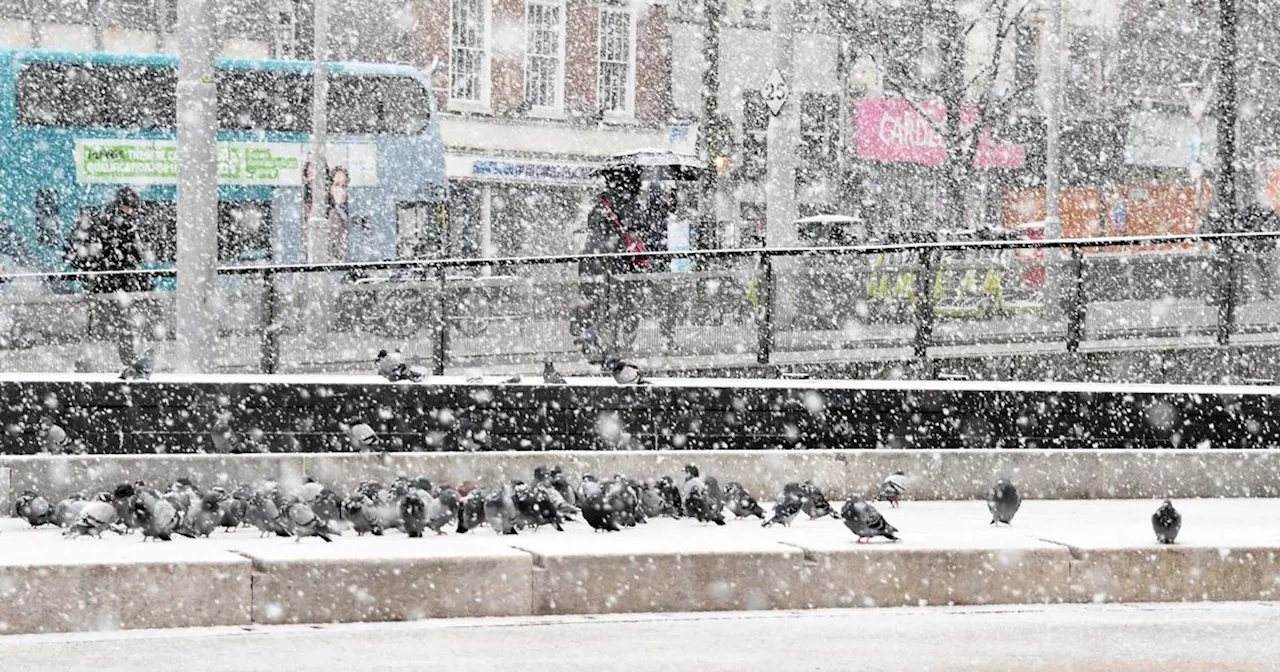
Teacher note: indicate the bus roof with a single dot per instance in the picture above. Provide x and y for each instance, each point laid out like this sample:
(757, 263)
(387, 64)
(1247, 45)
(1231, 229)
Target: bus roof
(348, 67)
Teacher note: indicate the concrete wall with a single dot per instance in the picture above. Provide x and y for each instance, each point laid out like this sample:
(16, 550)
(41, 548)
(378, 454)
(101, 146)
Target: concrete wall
(934, 474)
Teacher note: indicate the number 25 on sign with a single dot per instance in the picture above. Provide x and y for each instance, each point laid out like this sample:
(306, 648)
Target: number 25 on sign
(775, 92)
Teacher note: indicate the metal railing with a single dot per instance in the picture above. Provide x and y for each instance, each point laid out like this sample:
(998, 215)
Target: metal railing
(916, 267)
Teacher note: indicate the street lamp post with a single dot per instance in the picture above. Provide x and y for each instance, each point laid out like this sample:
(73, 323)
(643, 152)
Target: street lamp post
(316, 231)
(1052, 168)
(780, 189)
(197, 234)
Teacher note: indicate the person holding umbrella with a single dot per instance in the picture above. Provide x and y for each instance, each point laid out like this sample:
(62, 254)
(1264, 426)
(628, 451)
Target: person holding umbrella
(613, 226)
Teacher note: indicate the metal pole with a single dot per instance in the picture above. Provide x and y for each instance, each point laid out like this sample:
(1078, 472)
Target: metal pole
(780, 189)
(764, 333)
(1224, 198)
(1053, 130)
(197, 234)
(316, 233)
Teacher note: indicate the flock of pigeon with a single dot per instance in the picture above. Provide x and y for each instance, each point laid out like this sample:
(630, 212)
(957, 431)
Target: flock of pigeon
(414, 506)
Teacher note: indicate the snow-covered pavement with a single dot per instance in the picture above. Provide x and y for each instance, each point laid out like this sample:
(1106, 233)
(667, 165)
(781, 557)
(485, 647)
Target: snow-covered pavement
(1224, 637)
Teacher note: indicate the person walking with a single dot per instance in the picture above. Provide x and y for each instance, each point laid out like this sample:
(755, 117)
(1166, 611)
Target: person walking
(613, 226)
(110, 241)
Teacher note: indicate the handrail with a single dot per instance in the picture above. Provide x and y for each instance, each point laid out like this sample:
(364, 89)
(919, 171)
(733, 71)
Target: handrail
(722, 253)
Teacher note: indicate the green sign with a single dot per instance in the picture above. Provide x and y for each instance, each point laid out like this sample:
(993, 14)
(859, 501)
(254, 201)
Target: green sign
(144, 162)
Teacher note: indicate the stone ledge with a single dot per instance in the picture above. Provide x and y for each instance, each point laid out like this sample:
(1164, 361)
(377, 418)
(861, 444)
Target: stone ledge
(172, 589)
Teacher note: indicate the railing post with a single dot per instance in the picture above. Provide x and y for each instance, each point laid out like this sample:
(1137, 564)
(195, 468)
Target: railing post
(1075, 307)
(1227, 289)
(441, 353)
(924, 302)
(610, 314)
(765, 297)
(270, 359)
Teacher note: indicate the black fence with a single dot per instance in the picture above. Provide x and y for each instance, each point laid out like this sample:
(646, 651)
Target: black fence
(753, 306)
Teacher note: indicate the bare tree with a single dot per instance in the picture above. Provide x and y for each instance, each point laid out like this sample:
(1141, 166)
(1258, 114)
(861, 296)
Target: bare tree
(894, 37)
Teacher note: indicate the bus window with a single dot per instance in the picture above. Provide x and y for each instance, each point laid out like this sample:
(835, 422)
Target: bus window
(262, 100)
(422, 231)
(377, 106)
(244, 230)
(97, 95)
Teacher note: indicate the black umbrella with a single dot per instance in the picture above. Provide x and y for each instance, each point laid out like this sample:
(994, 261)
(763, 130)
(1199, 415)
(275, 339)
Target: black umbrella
(656, 164)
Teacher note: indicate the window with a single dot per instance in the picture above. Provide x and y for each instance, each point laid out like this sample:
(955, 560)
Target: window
(819, 118)
(261, 100)
(755, 221)
(94, 95)
(373, 105)
(755, 136)
(545, 34)
(613, 90)
(468, 51)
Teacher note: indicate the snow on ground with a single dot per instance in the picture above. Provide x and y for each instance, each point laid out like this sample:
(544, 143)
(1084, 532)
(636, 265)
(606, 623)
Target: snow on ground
(1207, 523)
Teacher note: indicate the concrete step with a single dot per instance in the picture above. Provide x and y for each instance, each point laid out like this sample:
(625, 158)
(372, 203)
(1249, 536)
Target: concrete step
(1076, 551)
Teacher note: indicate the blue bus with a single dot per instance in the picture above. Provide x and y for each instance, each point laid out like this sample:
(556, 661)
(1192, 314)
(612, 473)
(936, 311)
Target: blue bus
(76, 126)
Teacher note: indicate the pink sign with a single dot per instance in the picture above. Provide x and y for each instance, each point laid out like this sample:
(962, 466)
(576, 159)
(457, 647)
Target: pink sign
(890, 129)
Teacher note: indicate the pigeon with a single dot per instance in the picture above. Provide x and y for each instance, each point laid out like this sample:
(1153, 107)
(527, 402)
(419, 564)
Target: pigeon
(500, 510)
(702, 500)
(1003, 502)
(651, 500)
(413, 514)
(863, 520)
(220, 434)
(588, 338)
(53, 438)
(671, 496)
(740, 502)
(1166, 522)
(356, 511)
(471, 511)
(231, 509)
(307, 524)
(68, 510)
(815, 503)
(203, 517)
(34, 509)
(441, 510)
(264, 513)
(595, 510)
(534, 506)
(550, 376)
(893, 488)
(95, 518)
(786, 508)
(623, 372)
(122, 498)
(360, 436)
(158, 518)
(390, 365)
(141, 368)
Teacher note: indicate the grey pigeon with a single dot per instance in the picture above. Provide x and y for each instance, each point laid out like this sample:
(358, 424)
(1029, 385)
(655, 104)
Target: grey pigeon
(671, 496)
(307, 524)
(360, 436)
(413, 513)
(702, 500)
(1003, 502)
(471, 511)
(786, 508)
(390, 365)
(157, 518)
(652, 501)
(624, 373)
(500, 510)
(53, 438)
(357, 511)
(232, 511)
(550, 376)
(534, 507)
(34, 509)
(203, 517)
(1166, 522)
(893, 488)
(441, 510)
(863, 520)
(141, 368)
(264, 513)
(95, 518)
(740, 502)
(595, 509)
(221, 435)
(68, 510)
(815, 503)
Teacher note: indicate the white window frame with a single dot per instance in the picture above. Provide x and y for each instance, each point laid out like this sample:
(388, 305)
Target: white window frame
(627, 7)
(557, 106)
(486, 59)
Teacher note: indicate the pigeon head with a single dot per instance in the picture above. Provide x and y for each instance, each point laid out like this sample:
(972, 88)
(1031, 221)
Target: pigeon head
(691, 471)
(210, 502)
(422, 484)
(612, 364)
(122, 491)
(382, 354)
(449, 498)
(899, 473)
(548, 367)
(104, 497)
(540, 473)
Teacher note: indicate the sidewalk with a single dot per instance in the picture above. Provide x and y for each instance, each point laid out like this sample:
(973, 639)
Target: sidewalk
(1057, 551)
